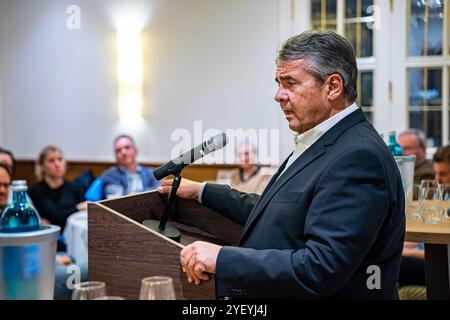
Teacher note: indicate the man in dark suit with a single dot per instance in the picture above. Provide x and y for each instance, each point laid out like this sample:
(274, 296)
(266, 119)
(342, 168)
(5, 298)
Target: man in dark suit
(330, 223)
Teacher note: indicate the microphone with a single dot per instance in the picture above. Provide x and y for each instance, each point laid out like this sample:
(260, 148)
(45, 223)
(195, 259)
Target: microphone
(175, 166)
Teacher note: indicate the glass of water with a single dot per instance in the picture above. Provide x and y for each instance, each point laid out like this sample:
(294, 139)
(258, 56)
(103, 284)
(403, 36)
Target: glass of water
(89, 290)
(430, 201)
(157, 288)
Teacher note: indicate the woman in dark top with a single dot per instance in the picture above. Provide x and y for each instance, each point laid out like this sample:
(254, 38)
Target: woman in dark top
(54, 197)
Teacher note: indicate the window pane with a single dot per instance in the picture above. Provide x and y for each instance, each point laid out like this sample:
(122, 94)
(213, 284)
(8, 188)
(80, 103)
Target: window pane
(366, 41)
(331, 8)
(358, 26)
(361, 38)
(365, 4)
(323, 14)
(426, 27)
(357, 8)
(366, 89)
(316, 10)
(425, 87)
(430, 122)
(434, 40)
(350, 9)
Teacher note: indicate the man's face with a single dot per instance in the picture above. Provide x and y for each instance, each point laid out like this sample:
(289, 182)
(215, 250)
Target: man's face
(442, 172)
(410, 146)
(125, 151)
(246, 156)
(303, 100)
(5, 180)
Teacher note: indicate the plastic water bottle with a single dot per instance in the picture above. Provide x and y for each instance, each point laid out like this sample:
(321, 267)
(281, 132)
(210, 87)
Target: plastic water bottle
(393, 146)
(20, 215)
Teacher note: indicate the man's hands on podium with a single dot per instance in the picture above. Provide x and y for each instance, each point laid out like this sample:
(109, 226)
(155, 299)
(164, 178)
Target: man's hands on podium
(198, 259)
(188, 189)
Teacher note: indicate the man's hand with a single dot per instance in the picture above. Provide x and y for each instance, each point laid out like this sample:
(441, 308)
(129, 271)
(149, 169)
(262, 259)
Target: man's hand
(188, 189)
(82, 206)
(198, 259)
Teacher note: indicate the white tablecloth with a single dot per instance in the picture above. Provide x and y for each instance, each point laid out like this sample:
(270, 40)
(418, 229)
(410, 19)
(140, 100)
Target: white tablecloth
(75, 236)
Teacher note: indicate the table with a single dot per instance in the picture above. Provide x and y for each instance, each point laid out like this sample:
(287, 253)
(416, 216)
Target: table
(437, 254)
(76, 236)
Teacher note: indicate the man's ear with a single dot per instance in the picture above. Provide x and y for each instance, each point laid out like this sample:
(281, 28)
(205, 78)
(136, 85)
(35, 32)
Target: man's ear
(335, 86)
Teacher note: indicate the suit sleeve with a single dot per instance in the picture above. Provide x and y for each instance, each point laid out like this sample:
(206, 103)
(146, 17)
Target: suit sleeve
(348, 207)
(233, 204)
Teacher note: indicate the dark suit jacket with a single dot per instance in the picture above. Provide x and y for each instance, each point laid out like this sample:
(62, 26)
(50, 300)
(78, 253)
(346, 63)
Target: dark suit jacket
(315, 230)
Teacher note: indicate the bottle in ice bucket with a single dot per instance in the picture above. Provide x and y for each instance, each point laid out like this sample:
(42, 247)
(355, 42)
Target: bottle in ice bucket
(393, 146)
(20, 215)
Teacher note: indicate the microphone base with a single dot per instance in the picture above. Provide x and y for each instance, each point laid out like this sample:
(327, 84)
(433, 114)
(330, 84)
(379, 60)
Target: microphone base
(169, 232)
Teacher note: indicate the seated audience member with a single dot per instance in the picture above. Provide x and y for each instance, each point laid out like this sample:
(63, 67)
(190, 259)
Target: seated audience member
(412, 270)
(441, 164)
(249, 177)
(54, 197)
(127, 177)
(5, 181)
(413, 142)
(7, 157)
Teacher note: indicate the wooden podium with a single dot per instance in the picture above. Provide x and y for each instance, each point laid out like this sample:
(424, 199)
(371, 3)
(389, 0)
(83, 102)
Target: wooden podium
(122, 251)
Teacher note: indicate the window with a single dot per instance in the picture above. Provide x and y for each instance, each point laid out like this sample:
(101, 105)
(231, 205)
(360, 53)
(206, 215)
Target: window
(427, 22)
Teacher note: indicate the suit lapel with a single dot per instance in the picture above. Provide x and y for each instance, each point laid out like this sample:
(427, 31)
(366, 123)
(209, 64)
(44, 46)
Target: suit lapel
(311, 154)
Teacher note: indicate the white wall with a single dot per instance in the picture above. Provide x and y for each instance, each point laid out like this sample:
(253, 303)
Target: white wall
(209, 60)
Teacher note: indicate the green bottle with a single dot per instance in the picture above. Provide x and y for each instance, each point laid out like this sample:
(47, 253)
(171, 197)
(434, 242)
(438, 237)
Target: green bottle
(393, 146)
(20, 215)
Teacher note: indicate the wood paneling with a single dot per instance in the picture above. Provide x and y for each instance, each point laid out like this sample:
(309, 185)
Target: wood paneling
(25, 169)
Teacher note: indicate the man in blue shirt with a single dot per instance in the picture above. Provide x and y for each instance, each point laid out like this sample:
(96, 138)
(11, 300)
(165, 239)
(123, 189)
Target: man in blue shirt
(127, 177)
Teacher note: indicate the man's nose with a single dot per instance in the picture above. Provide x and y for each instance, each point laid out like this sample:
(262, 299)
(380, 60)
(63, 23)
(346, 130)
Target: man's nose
(280, 95)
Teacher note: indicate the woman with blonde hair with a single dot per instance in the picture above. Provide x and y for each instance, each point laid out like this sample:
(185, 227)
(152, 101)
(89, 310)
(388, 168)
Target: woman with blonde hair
(54, 197)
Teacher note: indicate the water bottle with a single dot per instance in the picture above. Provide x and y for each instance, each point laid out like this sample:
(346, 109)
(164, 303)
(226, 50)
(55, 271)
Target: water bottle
(20, 215)
(393, 146)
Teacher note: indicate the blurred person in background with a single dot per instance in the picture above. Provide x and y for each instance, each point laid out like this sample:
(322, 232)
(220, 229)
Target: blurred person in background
(127, 176)
(250, 177)
(54, 197)
(5, 181)
(441, 164)
(7, 157)
(413, 142)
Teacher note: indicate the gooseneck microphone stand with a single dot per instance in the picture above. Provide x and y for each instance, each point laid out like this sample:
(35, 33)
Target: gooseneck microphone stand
(161, 226)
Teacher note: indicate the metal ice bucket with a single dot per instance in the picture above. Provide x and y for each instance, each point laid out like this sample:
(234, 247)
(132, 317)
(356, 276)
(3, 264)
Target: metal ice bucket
(27, 264)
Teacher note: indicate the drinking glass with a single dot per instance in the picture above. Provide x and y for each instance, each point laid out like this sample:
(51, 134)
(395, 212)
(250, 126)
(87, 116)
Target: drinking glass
(446, 201)
(157, 288)
(89, 290)
(430, 201)
(412, 208)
